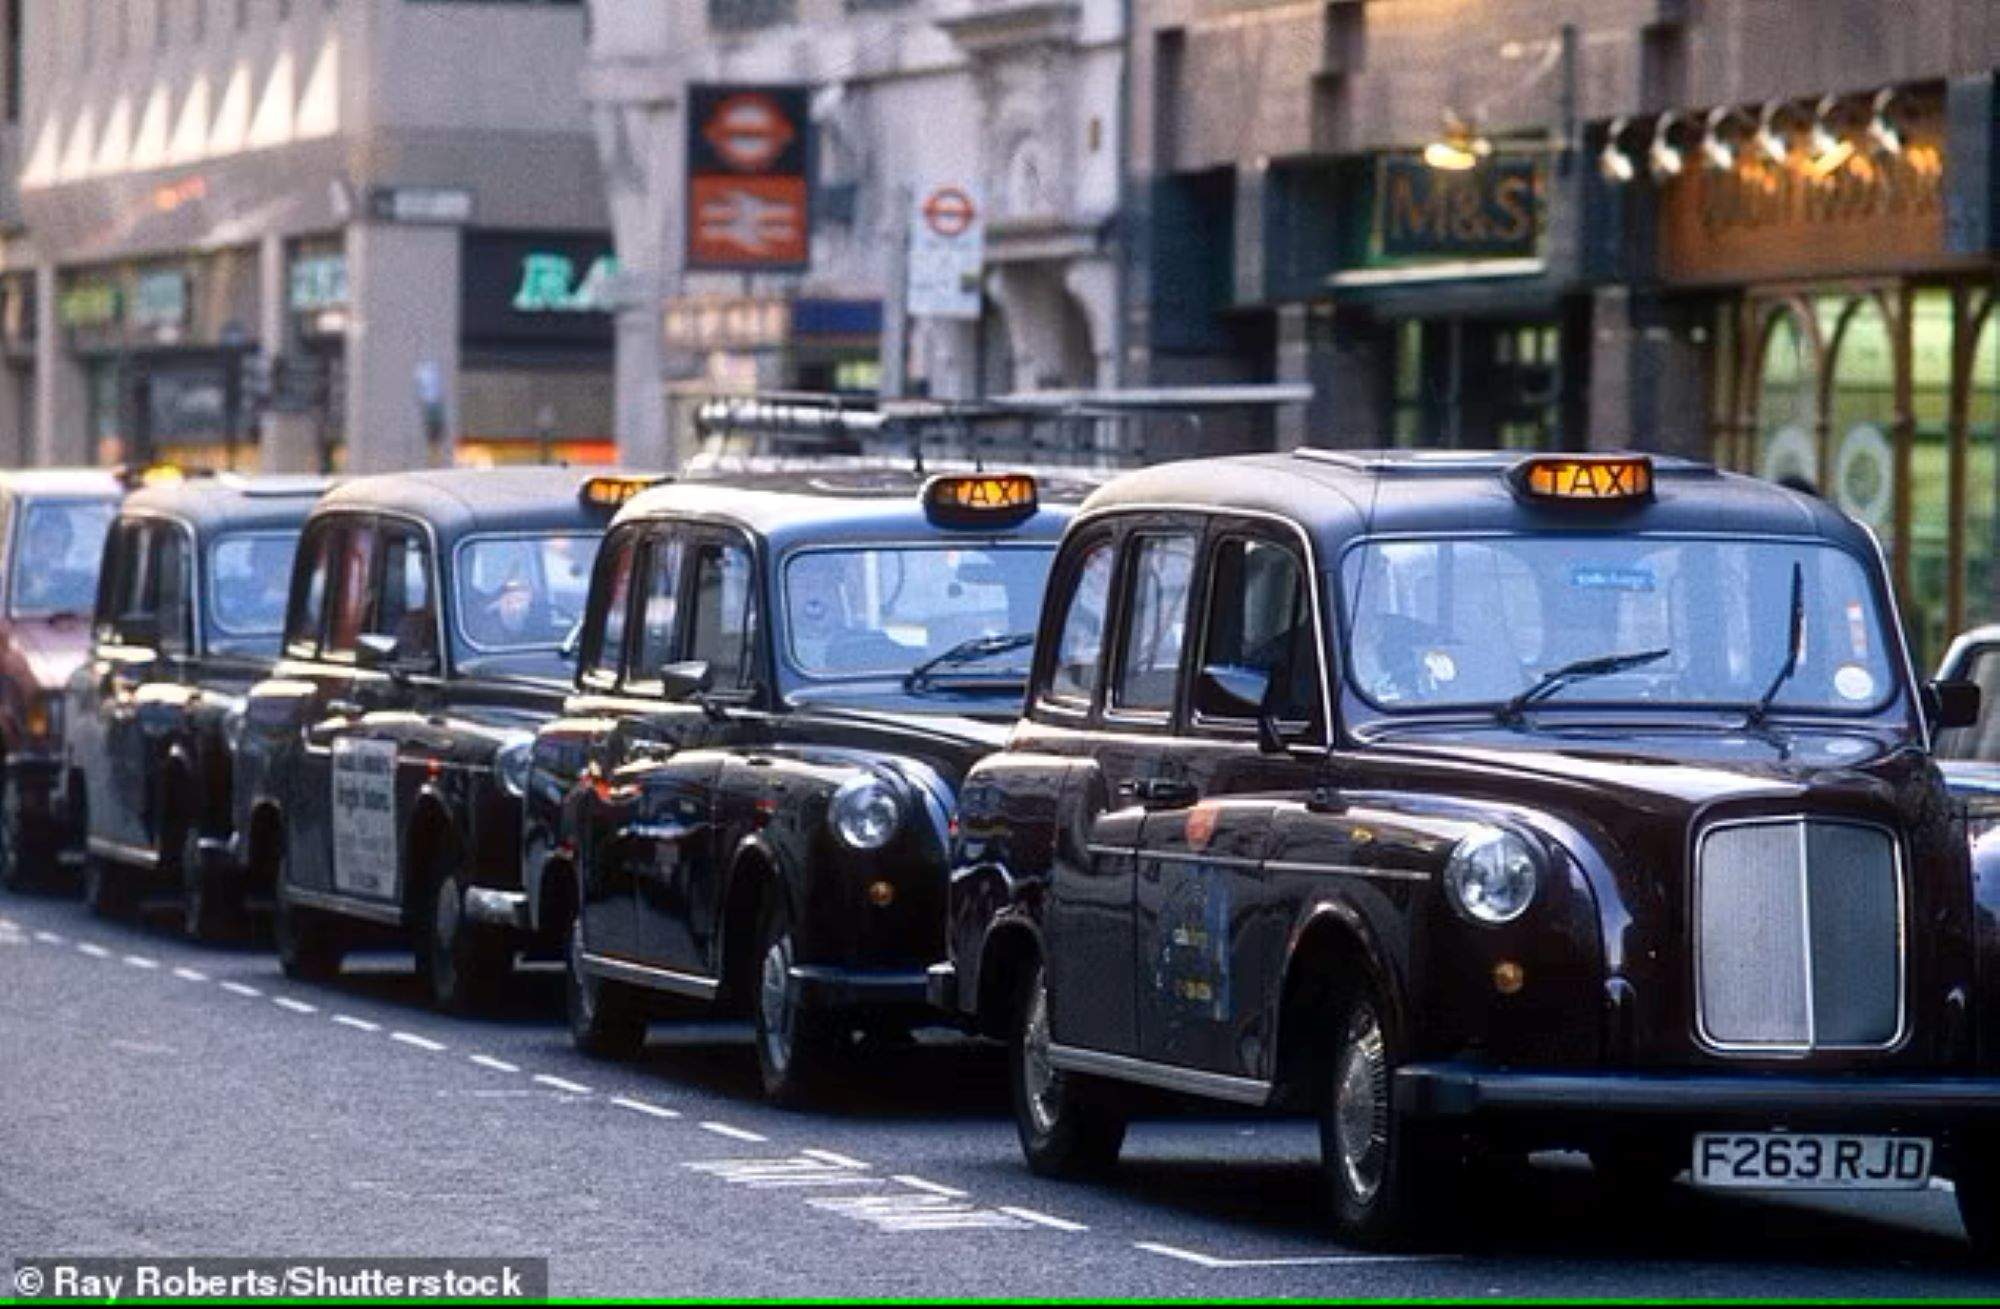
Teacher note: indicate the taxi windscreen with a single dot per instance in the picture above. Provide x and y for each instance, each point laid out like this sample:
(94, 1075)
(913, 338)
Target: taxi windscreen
(523, 592)
(1625, 621)
(249, 580)
(887, 611)
(57, 550)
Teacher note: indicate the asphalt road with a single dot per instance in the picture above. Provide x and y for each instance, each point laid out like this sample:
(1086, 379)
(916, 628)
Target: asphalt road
(162, 1099)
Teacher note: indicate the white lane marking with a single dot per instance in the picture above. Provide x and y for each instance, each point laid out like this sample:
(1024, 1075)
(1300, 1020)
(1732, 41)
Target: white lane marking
(1299, 1261)
(421, 1043)
(640, 1106)
(48, 938)
(733, 1133)
(933, 1187)
(190, 975)
(1045, 1220)
(94, 951)
(237, 988)
(497, 1065)
(561, 1084)
(358, 1024)
(296, 1006)
(141, 961)
(784, 1174)
(905, 1211)
(829, 1157)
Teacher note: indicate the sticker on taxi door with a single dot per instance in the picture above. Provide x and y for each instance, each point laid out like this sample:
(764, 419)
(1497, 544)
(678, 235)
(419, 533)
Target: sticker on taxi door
(364, 818)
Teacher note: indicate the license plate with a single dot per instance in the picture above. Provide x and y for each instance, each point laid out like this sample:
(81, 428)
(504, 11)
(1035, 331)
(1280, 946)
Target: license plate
(1794, 1159)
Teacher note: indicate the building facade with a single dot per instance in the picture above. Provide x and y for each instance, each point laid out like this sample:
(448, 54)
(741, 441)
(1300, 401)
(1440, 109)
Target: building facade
(1010, 109)
(1759, 231)
(300, 234)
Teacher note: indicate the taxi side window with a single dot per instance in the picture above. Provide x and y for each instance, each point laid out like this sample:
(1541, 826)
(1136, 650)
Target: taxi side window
(1080, 646)
(307, 617)
(659, 631)
(406, 607)
(724, 628)
(125, 558)
(171, 601)
(605, 649)
(353, 595)
(1258, 631)
(1156, 614)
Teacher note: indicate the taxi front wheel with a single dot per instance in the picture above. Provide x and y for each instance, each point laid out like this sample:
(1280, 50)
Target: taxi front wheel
(464, 965)
(107, 890)
(209, 909)
(1065, 1129)
(605, 1018)
(1381, 1172)
(308, 948)
(1976, 1182)
(794, 1045)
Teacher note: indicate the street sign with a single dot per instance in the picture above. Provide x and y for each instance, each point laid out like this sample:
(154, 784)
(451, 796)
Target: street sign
(749, 194)
(947, 255)
(447, 205)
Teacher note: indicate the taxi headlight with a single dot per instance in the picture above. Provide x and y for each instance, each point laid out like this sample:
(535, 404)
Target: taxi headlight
(1492, 875)
(510, 765)
(866, 812)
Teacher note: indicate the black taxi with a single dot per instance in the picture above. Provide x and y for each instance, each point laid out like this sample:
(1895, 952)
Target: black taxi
(380, 767)
(1479, 804)
(190, 607)
(783, 676)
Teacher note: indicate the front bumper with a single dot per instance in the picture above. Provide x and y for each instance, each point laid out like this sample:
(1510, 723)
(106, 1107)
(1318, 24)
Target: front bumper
(1469, 1094)
(817, 986)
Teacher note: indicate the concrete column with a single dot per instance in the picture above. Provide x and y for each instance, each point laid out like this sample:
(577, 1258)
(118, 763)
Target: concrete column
(403, 285)
(286, 443)
(62, 405)
(1648, 389)
(16, 417)
(1094, 284)
(951, 357)
(1294, 364)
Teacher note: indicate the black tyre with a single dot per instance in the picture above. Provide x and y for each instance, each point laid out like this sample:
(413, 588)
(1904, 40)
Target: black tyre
(606, 1020)
(19, 860)
(796, 1047)
(1638, 1173)
(107, 888)
(1976, 1180)
(309, 944)
(211, 903)
(1382, 1174)
(1067, 1125)
(464, 963)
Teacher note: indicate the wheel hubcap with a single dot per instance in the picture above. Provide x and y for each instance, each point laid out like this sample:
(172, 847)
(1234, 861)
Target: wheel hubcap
(1039, 1078)
(774, 1001)
(1361, 1107)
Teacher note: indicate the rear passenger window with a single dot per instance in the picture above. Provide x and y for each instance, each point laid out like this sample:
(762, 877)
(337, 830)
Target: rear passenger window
(1156, 609)
(1080, 647)
(353, 595)
(604, 655)
(725, 619)
(407, 609)
(171, 597)
(308, 605)
(659, 633)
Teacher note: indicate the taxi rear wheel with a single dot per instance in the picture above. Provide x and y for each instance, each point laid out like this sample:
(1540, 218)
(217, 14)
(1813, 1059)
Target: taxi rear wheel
(309, 948)
(794, 1044)
(606, 1020)
(1066, 1129)
(1382, 1173)
(107, 888)
(464, 964)
(1976, 1182)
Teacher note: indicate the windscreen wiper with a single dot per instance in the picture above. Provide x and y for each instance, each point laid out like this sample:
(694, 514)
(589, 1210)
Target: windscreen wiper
(965, 652)
(1557, 678)
(1795, 649)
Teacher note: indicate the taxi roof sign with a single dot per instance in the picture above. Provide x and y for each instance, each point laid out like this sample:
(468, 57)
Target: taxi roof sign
(1588, 479)
(612, 491)
(975, 500)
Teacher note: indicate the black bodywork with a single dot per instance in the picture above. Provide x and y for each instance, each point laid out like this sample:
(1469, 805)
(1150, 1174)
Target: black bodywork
(152, 713)
(369, 769)
(1197, 894)
(666, 818)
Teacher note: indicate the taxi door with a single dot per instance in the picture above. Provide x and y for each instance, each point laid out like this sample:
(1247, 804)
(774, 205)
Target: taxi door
(340, 588)
(1211, 934)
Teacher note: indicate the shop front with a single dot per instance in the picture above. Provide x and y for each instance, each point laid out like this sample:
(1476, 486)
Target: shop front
(1855, 346)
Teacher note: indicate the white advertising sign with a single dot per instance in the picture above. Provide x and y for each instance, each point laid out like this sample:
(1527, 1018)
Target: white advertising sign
(947, 254)
(364, 818)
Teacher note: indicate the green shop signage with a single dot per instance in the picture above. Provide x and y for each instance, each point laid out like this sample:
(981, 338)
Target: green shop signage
(319, 282)
(549, 285)
(97, 304)
(1491, 211)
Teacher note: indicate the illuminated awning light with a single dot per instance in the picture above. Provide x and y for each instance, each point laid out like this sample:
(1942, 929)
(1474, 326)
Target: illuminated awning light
(1460, 149)
(611, 492)
(980, 500)
(1590, 478)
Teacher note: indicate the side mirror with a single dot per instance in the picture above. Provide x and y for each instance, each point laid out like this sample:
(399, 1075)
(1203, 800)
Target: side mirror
(1953, 704)
(1231, 692)
(376, 651)
(684, 681)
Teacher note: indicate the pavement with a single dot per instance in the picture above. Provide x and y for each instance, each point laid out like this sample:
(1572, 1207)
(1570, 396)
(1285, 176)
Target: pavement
(159, 1098)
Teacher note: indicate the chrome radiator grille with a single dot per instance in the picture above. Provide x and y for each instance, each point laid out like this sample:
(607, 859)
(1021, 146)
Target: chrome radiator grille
(1798, 937)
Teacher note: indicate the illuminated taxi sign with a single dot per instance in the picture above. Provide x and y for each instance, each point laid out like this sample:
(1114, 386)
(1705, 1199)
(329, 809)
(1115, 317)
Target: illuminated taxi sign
(973, 500)
(135, 476)
(1591, 479)
(611, 492)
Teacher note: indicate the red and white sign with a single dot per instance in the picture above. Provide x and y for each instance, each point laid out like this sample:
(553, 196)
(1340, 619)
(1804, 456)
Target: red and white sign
(749, 193)
(749, 131)
(747, 220)
(947, 255)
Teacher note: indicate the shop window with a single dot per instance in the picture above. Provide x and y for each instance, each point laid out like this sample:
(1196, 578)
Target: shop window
(1407, 421)
(1787, 447)
(1861, 417)
(1926, 538)
(1982, 477)
(744, 15)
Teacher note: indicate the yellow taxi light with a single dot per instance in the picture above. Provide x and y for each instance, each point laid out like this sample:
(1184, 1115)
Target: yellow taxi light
(1597, 479)
(161, 475)
(611, 492)
(980, 499)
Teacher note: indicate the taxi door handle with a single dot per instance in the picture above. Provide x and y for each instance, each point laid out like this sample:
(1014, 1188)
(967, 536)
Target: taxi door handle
(1165, 792)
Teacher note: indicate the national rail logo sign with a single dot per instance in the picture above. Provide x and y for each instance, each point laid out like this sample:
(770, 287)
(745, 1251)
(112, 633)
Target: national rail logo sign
(749, 169)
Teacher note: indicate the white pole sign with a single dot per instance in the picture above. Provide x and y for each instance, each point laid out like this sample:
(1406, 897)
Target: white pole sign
(947, 255)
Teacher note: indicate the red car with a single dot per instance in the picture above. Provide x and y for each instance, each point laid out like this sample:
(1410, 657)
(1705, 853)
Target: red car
(52, 528)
